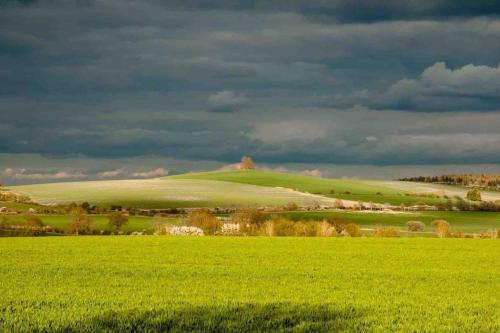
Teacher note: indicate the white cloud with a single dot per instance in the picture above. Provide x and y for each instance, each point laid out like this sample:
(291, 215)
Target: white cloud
(8, 171)
(23, 174)
(110, 173)
(441, 88)
(312, 173)
(227, 101)
(159, 172)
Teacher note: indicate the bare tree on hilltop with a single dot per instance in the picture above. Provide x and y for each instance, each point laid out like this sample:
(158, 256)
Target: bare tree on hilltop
(247, 163)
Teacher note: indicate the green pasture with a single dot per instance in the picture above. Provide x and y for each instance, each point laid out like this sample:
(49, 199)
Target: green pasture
(99, 222)
(224, 284)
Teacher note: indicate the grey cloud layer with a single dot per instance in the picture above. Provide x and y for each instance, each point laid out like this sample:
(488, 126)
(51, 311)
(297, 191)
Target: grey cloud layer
(284, 81)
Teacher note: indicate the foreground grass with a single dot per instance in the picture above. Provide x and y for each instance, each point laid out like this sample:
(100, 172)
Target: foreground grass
(214, 284)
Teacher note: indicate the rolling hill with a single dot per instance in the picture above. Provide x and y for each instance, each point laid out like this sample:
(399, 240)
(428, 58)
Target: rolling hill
(164, 193)
(238, 188)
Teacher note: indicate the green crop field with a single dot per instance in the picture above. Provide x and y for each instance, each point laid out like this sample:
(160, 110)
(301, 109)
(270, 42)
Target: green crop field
(215, 284)
(463, 221)
(393, 192)
(163, 193)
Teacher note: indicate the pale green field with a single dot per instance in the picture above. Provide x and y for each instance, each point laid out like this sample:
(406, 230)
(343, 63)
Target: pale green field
(218, 284)
(162, 193)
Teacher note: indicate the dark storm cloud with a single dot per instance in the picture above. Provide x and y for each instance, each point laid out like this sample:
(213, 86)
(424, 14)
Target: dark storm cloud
(285, 81)
(341, 10)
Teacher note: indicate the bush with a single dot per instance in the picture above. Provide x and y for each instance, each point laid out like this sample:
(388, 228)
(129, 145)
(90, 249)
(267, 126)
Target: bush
(415, 226)
(250, 220)
(291, 206)
(117, 220)
(474, 195)
(381, 231)
(352, 229)
(338, 223)
(441, 228)
(338, 204)
(33, 220)
(325, 229)
(204, 220)
(283, 227)
(306, 228)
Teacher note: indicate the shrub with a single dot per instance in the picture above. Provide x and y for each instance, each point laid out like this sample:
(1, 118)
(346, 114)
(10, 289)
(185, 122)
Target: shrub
(33, 220)
(250, 220)
(291, 206)
(474, 195)
(352, 229)
(338, 223)
(338, 204)
(160, 225)
(306, 228)
(283, 227)
(381, 231)
(204, 220)
(325, 229)
(117, 220)
(441, 228)
(80, 223)
(415, 226)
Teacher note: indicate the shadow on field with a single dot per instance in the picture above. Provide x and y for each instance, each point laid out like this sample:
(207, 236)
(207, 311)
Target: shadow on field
(278, 317)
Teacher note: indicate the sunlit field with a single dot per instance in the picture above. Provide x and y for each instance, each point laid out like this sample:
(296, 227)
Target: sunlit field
(153, 283)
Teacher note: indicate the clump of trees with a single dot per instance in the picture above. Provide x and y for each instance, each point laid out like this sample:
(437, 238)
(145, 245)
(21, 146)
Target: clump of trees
(247, 163)
(14, 197)
(482, 181)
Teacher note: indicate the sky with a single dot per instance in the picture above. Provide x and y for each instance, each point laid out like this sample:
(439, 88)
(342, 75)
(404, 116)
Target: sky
(111, 89)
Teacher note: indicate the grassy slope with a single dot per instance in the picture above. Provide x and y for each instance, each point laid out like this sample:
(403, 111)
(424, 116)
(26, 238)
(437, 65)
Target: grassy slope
(21, 207)
(465, 221)
(162, 193)
(249, 284)
(361, 190)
